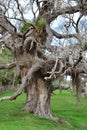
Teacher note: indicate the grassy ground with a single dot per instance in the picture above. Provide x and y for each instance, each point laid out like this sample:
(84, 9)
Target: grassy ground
(63, 105)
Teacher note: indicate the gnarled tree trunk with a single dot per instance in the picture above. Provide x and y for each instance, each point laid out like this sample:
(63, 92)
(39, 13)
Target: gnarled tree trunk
(37, 90)
(38, 98)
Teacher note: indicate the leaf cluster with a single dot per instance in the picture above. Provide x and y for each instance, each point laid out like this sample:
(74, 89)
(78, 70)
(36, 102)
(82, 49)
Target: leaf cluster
(41, 24)
(24, 26)
(6, 57)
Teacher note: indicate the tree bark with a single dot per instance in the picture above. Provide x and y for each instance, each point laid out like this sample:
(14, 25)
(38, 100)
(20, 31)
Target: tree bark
(38, 98)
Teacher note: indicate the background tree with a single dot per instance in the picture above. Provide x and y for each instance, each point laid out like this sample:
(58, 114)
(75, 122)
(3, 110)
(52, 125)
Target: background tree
(29, 47)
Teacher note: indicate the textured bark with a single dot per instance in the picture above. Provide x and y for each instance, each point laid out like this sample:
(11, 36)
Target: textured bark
(37, 90)
(38, 98)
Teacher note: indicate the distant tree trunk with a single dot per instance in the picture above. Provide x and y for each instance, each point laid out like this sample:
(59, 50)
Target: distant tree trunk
(77, 82)
(78, 87)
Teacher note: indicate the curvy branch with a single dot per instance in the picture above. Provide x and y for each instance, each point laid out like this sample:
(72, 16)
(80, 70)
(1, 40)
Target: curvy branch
(29, 75)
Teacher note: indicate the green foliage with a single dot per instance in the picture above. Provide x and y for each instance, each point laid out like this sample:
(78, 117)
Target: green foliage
(6, 57)
(63, 105)
(6, 76)
(24, 26)
(41, 23)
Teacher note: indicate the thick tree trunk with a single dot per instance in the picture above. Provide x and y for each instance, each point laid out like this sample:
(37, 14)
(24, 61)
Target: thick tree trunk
(38, 98)
(37, 90)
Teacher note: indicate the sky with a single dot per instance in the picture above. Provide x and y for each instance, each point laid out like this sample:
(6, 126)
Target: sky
(57, 24)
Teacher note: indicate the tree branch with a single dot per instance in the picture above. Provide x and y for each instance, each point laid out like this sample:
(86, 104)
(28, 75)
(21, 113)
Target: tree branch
(55, 87)
(53, 70)
(28, 76)
(6, 24)
(66, 10)
(49, 36)
(60, 36)
(8, 66)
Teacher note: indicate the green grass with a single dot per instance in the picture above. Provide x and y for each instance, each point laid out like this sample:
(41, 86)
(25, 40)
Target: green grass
(63, 105)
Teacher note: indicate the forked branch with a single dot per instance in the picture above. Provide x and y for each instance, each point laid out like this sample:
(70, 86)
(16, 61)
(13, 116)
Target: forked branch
(53, 70)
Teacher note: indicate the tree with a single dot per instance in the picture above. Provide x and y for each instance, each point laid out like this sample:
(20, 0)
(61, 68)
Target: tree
(29, 47)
